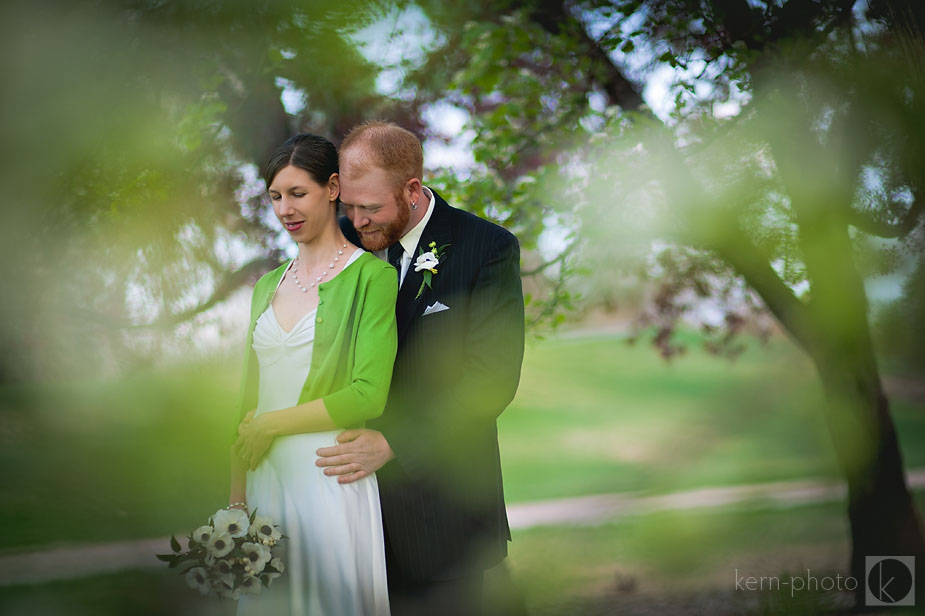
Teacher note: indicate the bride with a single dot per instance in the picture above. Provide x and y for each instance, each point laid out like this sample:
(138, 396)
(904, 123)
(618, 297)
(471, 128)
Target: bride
(320, 349)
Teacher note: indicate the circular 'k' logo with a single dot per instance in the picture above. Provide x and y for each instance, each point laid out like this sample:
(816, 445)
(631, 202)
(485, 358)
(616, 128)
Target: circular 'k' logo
(890, 580)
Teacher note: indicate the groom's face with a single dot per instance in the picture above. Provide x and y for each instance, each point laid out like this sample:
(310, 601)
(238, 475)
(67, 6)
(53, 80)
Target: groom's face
(378, 211)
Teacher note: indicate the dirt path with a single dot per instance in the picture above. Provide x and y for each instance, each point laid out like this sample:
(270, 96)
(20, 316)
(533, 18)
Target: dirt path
(77, 561)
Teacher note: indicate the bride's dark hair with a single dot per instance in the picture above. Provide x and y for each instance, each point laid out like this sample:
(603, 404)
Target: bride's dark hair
(312, 153)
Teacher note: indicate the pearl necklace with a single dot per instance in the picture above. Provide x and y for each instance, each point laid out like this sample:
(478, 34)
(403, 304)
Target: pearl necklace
(295, 267)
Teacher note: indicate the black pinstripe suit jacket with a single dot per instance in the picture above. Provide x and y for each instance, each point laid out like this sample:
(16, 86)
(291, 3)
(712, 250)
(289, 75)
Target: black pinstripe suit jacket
(456, 370)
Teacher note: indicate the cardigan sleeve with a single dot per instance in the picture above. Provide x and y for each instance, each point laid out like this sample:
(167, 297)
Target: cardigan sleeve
(376, 343)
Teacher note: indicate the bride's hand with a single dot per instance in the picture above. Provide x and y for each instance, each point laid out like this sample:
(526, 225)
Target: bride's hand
(253, 440)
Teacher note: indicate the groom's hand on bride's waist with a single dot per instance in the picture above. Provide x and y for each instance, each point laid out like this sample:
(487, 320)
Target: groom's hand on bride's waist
(359, 454)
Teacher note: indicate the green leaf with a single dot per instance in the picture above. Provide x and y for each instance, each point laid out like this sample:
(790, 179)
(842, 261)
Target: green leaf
(186, 565)
(166, 557)
(174, 543)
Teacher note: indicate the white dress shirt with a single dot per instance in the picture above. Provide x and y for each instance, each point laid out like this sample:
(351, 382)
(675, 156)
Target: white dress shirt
(409, 241)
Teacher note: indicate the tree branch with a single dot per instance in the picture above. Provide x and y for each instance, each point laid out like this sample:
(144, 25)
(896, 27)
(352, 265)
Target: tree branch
(547, 264)
(863, 221)
(225, 288)
(753, 265)
(553, 16)
(731, 243)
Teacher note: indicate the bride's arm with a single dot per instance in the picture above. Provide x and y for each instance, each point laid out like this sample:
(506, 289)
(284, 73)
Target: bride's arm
(306, 417)
(238, 492)
(257, 435)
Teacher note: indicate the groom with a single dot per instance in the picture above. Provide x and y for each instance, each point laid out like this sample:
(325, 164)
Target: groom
(460, 314)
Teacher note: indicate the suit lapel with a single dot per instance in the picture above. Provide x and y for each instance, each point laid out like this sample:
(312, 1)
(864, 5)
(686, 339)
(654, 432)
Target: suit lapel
(438, 230)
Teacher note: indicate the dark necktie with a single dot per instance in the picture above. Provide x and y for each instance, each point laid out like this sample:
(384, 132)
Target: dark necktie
(395, 254)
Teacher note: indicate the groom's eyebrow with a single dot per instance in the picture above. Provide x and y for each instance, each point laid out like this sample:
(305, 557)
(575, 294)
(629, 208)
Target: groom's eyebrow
(362, 205)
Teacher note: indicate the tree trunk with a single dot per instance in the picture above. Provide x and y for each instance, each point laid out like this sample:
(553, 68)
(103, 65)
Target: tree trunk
(881, 513)
(882, 516)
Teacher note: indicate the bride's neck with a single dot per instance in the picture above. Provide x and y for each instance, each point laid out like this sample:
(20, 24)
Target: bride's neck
(322, 249)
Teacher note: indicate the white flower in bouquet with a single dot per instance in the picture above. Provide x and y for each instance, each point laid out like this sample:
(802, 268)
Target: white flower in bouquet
(202, 534)
(220, 544)
(249, 585)
(257, 556)
(276, 563)
(224, 566)
(198, 579)
(223, 579)
(231, 521)
(263, 530)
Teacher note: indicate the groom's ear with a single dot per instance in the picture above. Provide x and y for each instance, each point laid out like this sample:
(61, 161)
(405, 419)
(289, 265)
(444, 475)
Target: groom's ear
(414, 190)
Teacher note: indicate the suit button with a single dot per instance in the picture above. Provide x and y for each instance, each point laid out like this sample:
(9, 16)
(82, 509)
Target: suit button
(318, 320)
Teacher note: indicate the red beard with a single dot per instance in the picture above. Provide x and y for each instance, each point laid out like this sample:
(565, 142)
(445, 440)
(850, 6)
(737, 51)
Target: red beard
(378, 237)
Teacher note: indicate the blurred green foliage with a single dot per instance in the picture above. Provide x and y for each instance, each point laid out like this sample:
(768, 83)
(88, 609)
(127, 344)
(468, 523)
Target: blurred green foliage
(134, 133)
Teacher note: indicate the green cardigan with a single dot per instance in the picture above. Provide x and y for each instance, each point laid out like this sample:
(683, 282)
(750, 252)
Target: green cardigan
(355, 341)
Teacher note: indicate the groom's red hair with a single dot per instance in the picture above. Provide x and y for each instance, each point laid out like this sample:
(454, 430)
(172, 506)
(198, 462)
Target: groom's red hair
(386, 145)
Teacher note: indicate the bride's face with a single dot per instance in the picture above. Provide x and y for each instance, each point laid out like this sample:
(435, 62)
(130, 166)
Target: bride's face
(303, 206)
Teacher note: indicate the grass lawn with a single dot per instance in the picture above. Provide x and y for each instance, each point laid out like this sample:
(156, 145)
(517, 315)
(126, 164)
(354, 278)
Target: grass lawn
(146, 456)
(594, 415)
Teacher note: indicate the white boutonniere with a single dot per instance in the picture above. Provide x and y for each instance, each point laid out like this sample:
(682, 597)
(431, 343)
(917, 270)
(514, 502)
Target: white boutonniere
(427, 263)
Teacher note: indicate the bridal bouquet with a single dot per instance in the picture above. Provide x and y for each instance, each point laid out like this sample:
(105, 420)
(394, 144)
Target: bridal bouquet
(231, 555)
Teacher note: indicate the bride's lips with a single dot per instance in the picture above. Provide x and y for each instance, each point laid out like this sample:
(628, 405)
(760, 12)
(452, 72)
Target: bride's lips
(294, 226)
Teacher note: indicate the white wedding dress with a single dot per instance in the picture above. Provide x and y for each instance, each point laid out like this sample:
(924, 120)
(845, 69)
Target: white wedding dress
(334, 556)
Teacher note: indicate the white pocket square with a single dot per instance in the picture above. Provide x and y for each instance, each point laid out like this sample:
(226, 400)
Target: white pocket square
(435, 307)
